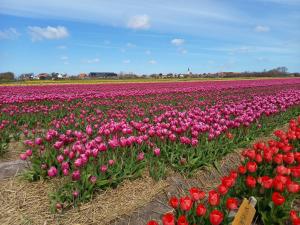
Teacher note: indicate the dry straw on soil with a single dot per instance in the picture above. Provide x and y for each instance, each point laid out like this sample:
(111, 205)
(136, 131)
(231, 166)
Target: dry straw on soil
(28, 203)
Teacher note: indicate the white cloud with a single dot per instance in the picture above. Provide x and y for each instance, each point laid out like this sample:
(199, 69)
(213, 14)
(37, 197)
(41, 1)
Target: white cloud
(10, 33)
(177, 41)
(261, 28)
(62, 47)
(95, 60)
(130, 45)
(139, 22)
(64, 57)
(126, 61)
(40, 33)
(183, 51)
(152, 61)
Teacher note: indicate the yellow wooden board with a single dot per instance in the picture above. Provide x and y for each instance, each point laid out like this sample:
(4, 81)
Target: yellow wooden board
(245, 214)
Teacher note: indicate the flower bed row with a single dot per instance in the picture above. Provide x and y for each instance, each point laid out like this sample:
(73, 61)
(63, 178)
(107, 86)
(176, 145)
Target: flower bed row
(97, 143)
(270, 172)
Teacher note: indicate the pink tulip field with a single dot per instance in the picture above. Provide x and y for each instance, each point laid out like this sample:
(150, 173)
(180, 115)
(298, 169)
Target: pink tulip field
(93, 137)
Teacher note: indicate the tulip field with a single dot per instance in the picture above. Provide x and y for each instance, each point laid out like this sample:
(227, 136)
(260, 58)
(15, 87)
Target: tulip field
(270, 173)
(95, 136)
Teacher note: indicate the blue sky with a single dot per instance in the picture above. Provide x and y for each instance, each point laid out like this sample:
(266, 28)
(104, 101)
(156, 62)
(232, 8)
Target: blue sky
(150, 36)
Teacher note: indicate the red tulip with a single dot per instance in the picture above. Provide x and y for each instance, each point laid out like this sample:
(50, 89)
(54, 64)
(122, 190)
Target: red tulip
(250, 182)
(173, 202)
(228, 181)
(213, 198)
(216, 217)
(186, 203)
(295, 172)
(196, 194)
(293, 215)
(251, 167)
(266, 182)
(182, 220)
(201, 210)
(296, 221)
(222, 189)
(278, 159)
(231, 204)
(242, 169)
(258, 158)
(289, 158)
(152, 222)
(277, 198)
(292, 187)
(168, 219)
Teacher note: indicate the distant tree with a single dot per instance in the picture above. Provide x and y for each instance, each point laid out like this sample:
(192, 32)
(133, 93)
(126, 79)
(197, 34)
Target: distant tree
(7, 76)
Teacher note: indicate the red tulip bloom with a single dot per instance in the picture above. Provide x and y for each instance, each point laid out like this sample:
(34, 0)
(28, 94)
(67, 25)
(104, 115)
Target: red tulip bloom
(296, 221)
(268, 155)
(152, 222)
(168, 219)
(196, 194)
(278, 185)
(293, 215)
(266, 182)
(251, 167)
(201, 210)
(292, 187)
(278, 159)
(222, 189)
(289, 158)
(182, 220)
(295, 172)
(282, 170)
(242, 169)
(213, 198)
(186, 203)
(233, 174)
(297, 156)
(250, 182)
(173, 202)
(216, 217)
(231, 204)
(258, 158)
(277, 198)
(228, 181)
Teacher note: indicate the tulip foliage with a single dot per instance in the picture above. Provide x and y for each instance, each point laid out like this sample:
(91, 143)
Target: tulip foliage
(95, 136)
(270, 172)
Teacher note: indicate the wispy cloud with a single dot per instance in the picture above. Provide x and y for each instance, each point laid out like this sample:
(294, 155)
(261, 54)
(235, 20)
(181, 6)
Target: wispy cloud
(177, 41)
(94, 60)
(10, 34)
(260, 28)
(286, 2)
(148, 52)
(64, 57)
(183, 51)
(40, 33)
(62, 47)
(139, 22)
(130, 45)
(152, 61)
(126, 61)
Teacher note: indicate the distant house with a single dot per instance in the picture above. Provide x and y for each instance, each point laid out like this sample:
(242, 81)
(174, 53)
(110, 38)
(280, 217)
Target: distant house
(103, 75)
(82, 75)
(26, 76)
(43, 76)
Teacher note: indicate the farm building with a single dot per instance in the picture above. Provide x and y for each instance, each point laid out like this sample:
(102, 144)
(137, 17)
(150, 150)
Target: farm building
(103, 75)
